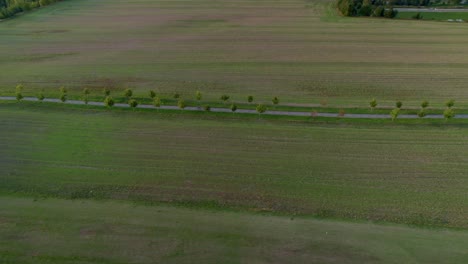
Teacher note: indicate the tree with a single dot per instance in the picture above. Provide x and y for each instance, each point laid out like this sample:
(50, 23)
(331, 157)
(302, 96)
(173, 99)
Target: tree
(19, 92)
(176, 95)
(152, 94)
(207, 108)
(390, 12)
(128, 93)
(261, 108)
(19, 97)
(41, 96)
(63, 97)
(422, 113)
(378, 11)
(198, 96)
(107, 92)
(109, 102)
(63, 90)
(86, 93)
(373, 104)
(449, 113)
(424, 104)
(395, 113)
(250, 98)
(233, 107)
(347, 7)
(133, 103)
(417, 16)
(275, 100)
(181, 104)
(399, 104)
(450, 103)
(45, 2)
(225, 98)
(341, 113)
(366, 9)
(63, 94)
(157, 102)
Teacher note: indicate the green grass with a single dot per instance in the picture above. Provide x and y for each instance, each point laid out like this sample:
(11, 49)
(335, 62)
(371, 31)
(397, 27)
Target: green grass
(440, 16)
(411, 173)
(60, 231)
(300, 51)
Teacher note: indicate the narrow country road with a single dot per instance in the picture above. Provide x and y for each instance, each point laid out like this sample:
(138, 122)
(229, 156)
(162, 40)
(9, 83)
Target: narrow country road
(244, 111)
(431, 10)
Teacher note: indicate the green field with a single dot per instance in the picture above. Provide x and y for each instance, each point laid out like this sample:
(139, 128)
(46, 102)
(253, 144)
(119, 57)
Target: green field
(298, 50)
(413, 174)
(88, 184)
(57, 231)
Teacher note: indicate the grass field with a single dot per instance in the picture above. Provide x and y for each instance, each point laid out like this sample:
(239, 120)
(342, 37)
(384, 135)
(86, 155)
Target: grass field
(413, 174)
(298, 50)
(35, 231)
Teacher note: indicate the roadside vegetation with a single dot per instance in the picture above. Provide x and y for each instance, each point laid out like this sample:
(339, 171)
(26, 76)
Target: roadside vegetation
(9, 8)
(182, 102)
(366, 8)
(437, 16)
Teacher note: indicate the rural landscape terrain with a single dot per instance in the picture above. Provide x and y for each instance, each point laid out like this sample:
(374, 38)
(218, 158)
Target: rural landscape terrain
(249, 131)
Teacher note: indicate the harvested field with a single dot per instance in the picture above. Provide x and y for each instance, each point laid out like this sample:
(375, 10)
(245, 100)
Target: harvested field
(295, 49)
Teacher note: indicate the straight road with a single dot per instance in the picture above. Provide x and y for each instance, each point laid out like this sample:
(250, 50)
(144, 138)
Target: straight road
(244, 111)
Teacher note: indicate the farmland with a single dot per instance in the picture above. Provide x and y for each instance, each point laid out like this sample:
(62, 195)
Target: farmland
(93, 184)
(345, 170)
(298, 50)
(232, 183)
(34, 231)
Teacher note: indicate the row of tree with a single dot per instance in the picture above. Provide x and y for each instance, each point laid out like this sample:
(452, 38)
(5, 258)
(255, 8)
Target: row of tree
(448, 112)
(366, 8)
(260, 108)
(384, 8)
(419, 2)
(9, 8)
(128, 94)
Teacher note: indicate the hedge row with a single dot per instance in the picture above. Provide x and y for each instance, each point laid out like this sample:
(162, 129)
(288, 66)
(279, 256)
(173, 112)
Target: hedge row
(9, 8)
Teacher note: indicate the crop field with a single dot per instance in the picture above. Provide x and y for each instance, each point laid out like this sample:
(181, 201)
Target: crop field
(298, 50)
(383, 172)
(93, 184)
(34, 231)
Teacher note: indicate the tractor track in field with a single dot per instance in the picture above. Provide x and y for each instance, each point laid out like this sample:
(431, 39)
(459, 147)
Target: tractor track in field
(242, 111)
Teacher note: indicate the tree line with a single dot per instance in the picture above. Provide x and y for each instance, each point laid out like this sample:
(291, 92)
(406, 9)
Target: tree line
(157, 102)
(449, 113)
(384, 8)
(260, 108)
(374, 8)
(9, 8)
